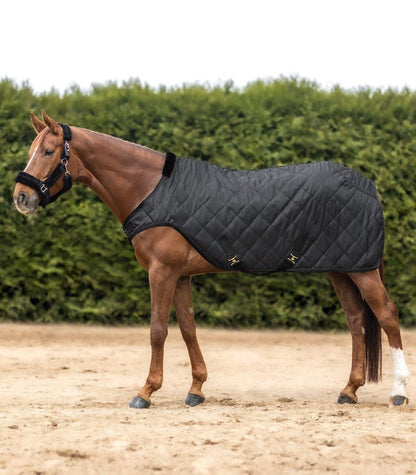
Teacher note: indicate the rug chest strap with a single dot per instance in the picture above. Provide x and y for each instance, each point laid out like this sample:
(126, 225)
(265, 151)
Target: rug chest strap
(169, 164)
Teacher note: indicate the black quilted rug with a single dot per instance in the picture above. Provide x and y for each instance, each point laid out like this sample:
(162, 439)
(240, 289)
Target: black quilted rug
(312, 217)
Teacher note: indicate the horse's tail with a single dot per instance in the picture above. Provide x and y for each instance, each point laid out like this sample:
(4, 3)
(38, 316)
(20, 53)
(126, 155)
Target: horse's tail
(373, 346)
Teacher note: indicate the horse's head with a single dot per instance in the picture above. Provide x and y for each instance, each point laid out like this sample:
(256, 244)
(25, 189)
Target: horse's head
(46, 175)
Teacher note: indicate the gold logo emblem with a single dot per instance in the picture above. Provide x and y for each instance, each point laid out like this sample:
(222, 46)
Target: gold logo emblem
(292, 258)
(233, 260)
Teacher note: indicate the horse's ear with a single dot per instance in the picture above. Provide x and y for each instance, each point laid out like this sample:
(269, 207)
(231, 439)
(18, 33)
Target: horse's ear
(38, 125)
(52, 124)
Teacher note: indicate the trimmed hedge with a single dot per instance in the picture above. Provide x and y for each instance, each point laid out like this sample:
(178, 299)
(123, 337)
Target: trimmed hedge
(72, 263)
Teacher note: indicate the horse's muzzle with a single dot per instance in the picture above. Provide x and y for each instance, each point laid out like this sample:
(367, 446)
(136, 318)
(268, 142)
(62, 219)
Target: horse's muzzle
(25, 199)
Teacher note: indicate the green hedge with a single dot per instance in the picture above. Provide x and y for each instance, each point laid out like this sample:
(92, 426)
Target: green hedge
(71, 262)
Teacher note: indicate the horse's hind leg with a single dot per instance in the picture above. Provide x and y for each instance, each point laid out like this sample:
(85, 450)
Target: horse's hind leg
(185, 314)
(375, 294)
(353, 307)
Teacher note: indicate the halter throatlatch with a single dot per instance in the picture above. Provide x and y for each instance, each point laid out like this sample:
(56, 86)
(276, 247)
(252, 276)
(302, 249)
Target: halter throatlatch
(43, 187)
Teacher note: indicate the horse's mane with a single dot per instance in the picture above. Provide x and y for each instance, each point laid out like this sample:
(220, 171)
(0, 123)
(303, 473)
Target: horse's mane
(112, 138)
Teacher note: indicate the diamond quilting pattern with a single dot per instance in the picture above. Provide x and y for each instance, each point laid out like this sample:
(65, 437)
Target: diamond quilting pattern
(328, 216)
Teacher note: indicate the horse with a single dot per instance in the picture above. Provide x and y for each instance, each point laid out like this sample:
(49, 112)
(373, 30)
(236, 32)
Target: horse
(124, 175)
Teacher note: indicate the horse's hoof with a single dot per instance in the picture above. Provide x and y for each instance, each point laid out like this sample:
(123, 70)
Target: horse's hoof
(193, 400)
(343, 399)
(399, 401)
(139, 403)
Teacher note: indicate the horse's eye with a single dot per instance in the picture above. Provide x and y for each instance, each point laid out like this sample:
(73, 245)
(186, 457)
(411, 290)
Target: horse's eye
(49, 153)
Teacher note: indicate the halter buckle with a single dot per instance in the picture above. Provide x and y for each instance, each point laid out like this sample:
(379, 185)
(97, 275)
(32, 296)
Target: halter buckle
(65, 151)
(43, 188)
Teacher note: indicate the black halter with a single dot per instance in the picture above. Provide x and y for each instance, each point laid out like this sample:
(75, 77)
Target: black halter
(42, 187)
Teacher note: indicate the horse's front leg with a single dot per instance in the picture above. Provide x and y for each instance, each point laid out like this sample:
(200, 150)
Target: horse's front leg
(162, 287)
(185, 314)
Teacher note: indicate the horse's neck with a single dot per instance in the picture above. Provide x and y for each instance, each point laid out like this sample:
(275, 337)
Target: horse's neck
(122, 174)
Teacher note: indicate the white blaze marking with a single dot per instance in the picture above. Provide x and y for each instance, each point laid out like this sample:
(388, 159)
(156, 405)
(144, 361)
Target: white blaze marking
(31, 158)
(400, 372)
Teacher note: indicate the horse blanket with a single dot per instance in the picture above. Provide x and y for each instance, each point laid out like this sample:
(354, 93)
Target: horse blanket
(314, 217)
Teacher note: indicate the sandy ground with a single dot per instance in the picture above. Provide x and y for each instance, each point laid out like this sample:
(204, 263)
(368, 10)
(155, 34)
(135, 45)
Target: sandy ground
(270, 407)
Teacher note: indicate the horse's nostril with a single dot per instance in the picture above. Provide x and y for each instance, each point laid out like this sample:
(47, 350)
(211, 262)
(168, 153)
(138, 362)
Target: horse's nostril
(22, 198)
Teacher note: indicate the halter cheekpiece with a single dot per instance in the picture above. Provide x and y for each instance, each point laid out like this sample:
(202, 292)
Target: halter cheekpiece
(43, 187)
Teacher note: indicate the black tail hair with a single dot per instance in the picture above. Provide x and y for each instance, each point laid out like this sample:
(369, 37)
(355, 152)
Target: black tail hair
(373, 346)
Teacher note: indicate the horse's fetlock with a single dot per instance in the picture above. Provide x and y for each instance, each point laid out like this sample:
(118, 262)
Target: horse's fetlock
(199, 376)
(156, 386)
(357, 379)
(152, 385)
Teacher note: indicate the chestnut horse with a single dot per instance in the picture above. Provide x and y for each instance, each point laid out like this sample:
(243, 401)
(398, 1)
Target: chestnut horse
(123, 174)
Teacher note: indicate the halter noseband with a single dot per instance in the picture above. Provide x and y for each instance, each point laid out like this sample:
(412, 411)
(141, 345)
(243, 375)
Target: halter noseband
(42, 187)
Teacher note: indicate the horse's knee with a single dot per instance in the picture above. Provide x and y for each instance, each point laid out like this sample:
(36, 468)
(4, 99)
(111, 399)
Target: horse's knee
(158, 334)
